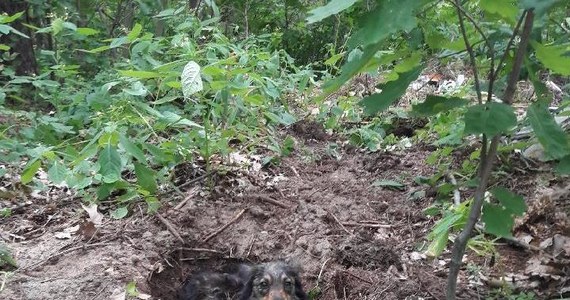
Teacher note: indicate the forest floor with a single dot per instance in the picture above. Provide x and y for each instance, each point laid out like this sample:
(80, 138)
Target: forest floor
(352, 239)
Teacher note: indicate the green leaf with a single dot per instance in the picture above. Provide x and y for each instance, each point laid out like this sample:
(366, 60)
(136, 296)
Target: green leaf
(540, 6)
(9, 19)
(191, 79)
(131, 289)
(110, 164)
(135, 32)
(489, 119)
(497, 220)
(57, 26)
(391, 184)
(139, 74)
(351, 68)
(85, 31)
(504, 8)
(550, 135)
(117, 42)
(436, 104)
(513, 203)
(4, 47)
(331, 8)
(389, 17)
(131, 148)
(391, 91)
(120, 212)
(30, 171)
(152, 204)
(58, 172)
(564, 166)
(556, 58)
(146, 177)
(437, 245)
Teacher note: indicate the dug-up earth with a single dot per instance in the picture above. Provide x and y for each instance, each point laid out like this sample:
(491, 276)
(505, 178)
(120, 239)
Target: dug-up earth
(352, 239)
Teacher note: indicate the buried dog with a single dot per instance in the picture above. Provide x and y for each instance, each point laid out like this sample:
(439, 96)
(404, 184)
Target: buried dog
(273, 281)
(268, 281)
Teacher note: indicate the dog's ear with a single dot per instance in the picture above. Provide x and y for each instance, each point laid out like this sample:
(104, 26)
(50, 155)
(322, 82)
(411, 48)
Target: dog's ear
(247, 289)
(299, 292)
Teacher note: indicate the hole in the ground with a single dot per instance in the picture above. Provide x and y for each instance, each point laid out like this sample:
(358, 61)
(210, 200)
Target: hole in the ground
(179, 265)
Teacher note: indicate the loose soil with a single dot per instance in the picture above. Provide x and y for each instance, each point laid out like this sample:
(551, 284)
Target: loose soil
(352, 240)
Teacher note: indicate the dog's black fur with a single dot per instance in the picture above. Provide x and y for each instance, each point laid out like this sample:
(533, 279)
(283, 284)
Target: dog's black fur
(274, 281)
(268, 281)
(215, 285)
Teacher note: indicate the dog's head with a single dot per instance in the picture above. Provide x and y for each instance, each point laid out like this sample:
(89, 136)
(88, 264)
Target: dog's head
(274, 281)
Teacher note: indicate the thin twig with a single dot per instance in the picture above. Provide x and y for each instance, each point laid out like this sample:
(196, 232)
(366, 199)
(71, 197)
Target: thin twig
(358, 277)
(191, 194)
(202, 250)
(215, 233)
(369, 225)
(199, 178)
(473, 62)
(170, 228)
(339, 223)
(321, 271)
(269, 200)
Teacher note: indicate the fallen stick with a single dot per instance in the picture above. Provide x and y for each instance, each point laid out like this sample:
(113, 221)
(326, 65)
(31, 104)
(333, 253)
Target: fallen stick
(202, 250)
(370, 225)
(339, 223)
(270, 200)
(170, 228)
(215, 233)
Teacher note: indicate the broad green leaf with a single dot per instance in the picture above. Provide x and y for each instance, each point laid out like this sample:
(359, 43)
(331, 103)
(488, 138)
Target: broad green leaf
(110, 164)
(146, 177)
(331, 8)
(550, 135)
(131, 148)
(58, 172)
(131, 289)
(4, 47)
(497, 220)
(391, 184)
(117, 42)
(108, 138)
(513, 203)
(504, 8)
(389, 17)
(57, 26)
(333, 59)
(30, 171)
(391, 91)
(5, 29)
(351, 68)
(564, 166)
(153, 204)
(120, 212)
(139, 74)
(540, 6)
(96, 50)
(555, 58)
(489, 119)
(437, 245)
(9, 19)
(69, 26)
(135, 32)
(85, 31)
(436, 104)
(191, 79)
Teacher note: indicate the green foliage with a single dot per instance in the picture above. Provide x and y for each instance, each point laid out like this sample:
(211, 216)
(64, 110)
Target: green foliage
(120, 126)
